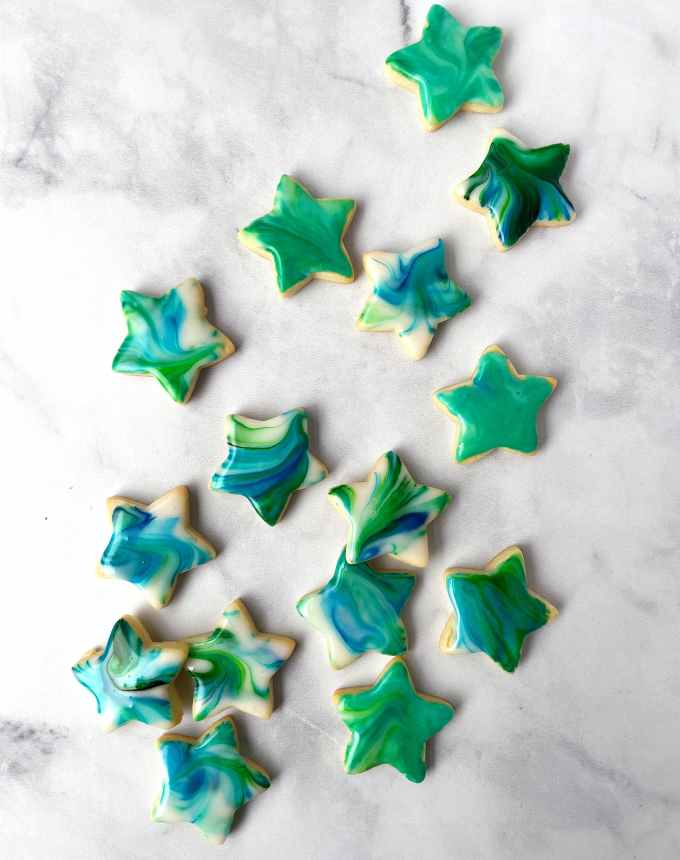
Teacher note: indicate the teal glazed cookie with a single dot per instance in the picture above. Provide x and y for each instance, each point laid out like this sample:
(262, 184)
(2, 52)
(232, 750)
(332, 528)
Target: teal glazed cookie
(206, 780)
(493, 610)
(131, 678)
(151, 545)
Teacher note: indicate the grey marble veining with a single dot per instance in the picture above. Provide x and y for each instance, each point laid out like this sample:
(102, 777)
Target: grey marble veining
(135, 138)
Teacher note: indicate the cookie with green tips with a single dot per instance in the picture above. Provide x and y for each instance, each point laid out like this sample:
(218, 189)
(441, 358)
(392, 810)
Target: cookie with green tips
(390, 722)
(450, 68)
(206, 780)
(303, 236)
(358, 610)
(132, 677)
(233, 666)
(170, 338)
(267, 461)
(516, 187)
(493, 610)
(497, 407)
(412, 295)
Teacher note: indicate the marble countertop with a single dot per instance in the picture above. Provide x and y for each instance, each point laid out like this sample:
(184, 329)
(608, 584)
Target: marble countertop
(136, 137)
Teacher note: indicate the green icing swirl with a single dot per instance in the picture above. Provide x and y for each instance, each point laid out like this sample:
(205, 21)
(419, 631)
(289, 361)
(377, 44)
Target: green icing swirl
(303, 236)
(450, 67)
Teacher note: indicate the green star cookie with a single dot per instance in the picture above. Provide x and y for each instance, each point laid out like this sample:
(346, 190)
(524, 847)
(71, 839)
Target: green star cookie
(450, 68)
(390, 722)
(303, 237)
(496, 408)
(494, 611)
(516, 187)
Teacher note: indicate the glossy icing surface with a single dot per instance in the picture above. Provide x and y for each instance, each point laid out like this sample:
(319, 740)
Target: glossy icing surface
(206, 780)
(151, 545)
(303, 236)
(170, 338)
(390, 722)
(267, 461)
(516, 187)
(496, 408)
(451, 68)
(233, 666)
(389, 513)
(131, 677)
(493, 609)
(412, 295)
(358, 611)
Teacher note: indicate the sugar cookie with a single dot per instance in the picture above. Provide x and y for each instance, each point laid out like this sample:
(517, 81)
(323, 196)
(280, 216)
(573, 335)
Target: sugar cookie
(358, 611)
(516, 187)
(388, 513)
(303, 236)
(232, 667)
(390, 722)
(412, 295)
(496, 407)
(267, 461)
(170, 338)
(493, 611)
(206, 780)
(151, 545)
(132, 677)
(450, 68)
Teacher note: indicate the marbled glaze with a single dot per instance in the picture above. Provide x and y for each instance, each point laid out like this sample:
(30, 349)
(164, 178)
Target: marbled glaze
(358, 611)
(390, 722)
(412, 295)
(303, 236)
(206, 780)
(493, 609)
(233, 666)
(389, 513)
(170, 338)
(267, 461)
(517, 187)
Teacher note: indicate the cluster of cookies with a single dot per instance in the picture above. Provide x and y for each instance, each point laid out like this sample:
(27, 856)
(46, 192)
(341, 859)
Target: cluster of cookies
(359, 609)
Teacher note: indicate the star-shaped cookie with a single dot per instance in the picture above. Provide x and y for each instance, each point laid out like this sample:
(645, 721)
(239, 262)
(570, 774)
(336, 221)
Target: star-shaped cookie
(267, 461)
(493, 610)
(169, 337)
(233, 666)
(390, 722)
(151, 545)
(496, 408)
(388, 513)
(412, 295)
(303, 237)
(206, 780)
(358, 611)
(132, 677)
(450, 68)
(516, 187)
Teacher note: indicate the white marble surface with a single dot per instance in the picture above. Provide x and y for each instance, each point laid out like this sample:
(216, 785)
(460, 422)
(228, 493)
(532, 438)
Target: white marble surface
(136, 137)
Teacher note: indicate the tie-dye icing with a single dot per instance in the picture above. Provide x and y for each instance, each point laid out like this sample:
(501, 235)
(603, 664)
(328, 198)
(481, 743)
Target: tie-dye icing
(516, 187)
(150, 546)
(131, 678)
(206, 780)
(412, 295)
(496, 408)
(390, 722)
(358, 611)
(233, 666)
(303, 237)
(170, 338)
(267, 461)
(389, 513)
(451, 68)
(493, 610)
